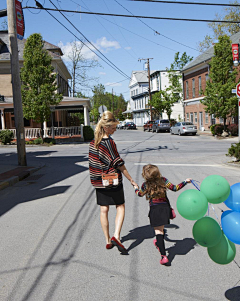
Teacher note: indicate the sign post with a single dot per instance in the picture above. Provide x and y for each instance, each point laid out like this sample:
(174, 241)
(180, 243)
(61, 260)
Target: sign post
(238, 96)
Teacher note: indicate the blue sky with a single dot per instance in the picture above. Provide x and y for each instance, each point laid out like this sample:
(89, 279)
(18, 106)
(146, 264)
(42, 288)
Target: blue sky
(123, 40)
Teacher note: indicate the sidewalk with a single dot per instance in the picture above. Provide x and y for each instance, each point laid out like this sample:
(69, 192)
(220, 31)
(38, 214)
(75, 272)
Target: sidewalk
(11, 174)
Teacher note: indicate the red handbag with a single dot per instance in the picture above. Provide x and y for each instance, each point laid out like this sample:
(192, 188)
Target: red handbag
(172, 213)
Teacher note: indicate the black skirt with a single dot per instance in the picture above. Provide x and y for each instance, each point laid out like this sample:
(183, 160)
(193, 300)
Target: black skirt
(112, 196)
(159, 215)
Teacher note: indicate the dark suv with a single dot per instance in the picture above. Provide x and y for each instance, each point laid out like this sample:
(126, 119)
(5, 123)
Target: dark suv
(162, 125)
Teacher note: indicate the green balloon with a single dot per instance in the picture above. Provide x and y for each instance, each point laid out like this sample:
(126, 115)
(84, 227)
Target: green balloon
(192, 204)
(215, 188)
(223, 252)
(207, 232)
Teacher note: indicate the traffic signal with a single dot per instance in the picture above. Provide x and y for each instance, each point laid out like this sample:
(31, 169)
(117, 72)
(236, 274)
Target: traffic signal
(3, 13)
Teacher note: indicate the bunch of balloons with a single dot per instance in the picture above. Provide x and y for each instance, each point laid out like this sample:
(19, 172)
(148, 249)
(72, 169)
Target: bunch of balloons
(193, 205)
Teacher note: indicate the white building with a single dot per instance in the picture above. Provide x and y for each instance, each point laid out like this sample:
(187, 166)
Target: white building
(139, 95)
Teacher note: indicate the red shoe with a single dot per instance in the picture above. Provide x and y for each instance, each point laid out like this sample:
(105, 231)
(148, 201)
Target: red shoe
(164, 259)
(116, 243)
(109, 246)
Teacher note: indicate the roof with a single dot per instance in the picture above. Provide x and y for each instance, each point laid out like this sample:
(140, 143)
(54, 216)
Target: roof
(53, 50)
(141, 76)
(208, 54)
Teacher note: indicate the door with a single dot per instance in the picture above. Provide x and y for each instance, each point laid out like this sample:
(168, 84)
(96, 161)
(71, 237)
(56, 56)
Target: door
(200, 120)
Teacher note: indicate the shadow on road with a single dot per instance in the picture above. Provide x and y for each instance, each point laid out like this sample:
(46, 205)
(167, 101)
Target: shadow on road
(233, 294)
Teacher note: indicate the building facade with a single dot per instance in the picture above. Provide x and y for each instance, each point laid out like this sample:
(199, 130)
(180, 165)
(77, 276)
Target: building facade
(62, 112)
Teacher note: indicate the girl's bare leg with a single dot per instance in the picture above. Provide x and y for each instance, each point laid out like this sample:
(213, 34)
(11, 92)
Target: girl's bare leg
(159, 230)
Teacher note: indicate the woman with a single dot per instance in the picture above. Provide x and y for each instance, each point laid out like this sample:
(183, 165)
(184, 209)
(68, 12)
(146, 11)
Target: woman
(104, 158)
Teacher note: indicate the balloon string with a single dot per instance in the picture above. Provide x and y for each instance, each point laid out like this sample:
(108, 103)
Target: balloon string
(195, 184)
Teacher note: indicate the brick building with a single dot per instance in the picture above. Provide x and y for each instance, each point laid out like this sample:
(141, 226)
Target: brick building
(195, 76)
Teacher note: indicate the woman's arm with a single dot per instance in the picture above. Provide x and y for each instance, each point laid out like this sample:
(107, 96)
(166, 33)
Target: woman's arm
(126, 174)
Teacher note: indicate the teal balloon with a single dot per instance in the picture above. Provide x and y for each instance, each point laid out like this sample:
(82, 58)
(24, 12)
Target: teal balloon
(192, 204)
(207, 232)
(224, 252)
(215, 188)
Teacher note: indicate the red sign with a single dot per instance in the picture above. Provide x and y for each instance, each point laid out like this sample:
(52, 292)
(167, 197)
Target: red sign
(235, 52)
(19, 20)
(238, 90)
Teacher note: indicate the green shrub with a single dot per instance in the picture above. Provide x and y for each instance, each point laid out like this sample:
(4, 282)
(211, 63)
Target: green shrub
(233, 129)
(6, 136)
(234, 151)
(88, 132)
(217, 131)
(49, 140)
(38, 141)
(29, 142)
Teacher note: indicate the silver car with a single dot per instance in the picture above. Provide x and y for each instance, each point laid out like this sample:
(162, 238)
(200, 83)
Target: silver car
(183, 128)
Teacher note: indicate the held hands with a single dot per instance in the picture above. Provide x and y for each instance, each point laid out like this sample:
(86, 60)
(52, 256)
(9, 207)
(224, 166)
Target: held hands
(133, 183)
(188, 180)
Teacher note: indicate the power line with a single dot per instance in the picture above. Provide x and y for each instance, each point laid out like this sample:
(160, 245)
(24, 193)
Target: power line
(111, 64)
(128, 16)
(191, 3)
(120, 71)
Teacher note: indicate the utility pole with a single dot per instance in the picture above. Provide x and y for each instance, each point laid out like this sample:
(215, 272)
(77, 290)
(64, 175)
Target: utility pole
(149, 85)
(16, 84)
(112, 101)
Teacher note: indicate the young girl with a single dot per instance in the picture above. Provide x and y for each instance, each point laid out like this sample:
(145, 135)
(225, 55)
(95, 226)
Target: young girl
(154, 188)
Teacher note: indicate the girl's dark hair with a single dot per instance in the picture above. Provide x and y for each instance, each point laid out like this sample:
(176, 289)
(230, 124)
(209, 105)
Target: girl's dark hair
(155, 185)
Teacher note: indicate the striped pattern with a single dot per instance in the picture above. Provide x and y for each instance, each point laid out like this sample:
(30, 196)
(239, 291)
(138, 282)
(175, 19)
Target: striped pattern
(104, 160)
(157, 201)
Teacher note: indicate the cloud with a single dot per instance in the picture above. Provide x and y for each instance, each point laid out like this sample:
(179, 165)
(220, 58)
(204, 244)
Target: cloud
(128, 48)
(113, 84)
(102, 73)
(101, 44)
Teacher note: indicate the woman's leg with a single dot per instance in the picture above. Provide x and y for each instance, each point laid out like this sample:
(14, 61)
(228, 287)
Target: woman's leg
(119, 220)
(104, 222)
(159, 232)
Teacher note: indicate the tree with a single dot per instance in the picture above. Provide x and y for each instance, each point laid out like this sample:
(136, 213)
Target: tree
(79, 66)
(165, 99)
(38, 81)
(219, 99)
(219, 29)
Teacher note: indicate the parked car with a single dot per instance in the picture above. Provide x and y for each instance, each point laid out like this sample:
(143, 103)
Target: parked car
(182, 128)
(120, 125)
(162, 125)
(148, 125)
(130, 126)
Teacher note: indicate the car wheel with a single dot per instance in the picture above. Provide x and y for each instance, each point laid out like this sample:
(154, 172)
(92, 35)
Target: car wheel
(194, 134)
(171, 132)
(179, 133)
(148, 129)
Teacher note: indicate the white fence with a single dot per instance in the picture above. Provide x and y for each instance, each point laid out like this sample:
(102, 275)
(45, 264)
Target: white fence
(70, 131)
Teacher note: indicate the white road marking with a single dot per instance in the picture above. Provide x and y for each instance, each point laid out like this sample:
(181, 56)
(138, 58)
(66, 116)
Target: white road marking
(181, 164)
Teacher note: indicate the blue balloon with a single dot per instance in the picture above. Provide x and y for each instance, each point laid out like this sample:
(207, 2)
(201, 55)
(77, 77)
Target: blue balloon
(231, 225)
(233, 201)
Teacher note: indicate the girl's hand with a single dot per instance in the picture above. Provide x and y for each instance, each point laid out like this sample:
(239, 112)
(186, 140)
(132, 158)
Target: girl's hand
(136, 187)
(188, 180)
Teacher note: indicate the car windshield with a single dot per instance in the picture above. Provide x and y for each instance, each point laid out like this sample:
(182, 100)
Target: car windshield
(187, 123)
(164, 121)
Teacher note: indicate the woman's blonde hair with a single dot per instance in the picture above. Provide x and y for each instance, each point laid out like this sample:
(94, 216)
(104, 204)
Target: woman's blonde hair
(155, 185)
(106, 120)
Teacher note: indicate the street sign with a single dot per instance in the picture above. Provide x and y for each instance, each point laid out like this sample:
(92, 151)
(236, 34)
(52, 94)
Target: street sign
(102, 109)
(234, 91)
(238, 90)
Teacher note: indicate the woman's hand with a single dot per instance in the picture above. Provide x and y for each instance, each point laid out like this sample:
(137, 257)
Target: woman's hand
(188, 180)
(133, 183)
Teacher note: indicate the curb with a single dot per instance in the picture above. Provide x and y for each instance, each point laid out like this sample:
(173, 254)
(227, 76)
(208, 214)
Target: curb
(23, 175)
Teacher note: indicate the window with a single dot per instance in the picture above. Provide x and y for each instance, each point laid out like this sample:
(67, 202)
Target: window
(158, 88)
(200, 85)
(136, 91)
(191, 117)
(135, 104)
(187, 94)
(220, 120)
(207, 77)
(195, 117)
(187, 116)
(206, 118)
(193, 87)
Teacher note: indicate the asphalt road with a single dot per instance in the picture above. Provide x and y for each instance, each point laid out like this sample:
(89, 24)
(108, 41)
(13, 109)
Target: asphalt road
(52, 247)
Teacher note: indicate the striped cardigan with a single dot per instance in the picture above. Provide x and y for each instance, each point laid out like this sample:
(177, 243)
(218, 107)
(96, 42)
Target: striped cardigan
(156, 201)
(104, 160)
